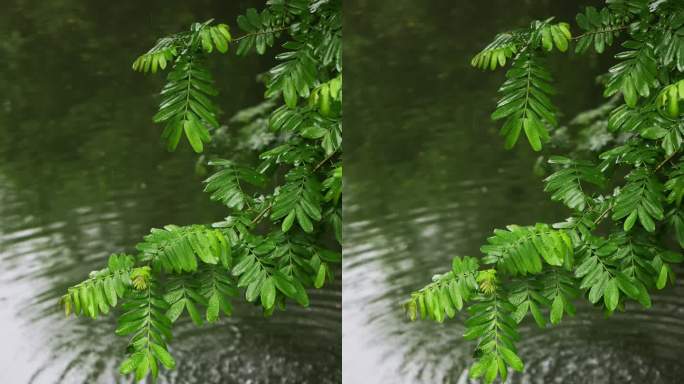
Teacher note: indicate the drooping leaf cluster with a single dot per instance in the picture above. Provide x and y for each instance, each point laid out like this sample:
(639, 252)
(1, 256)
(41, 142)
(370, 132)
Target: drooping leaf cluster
(186, 106)
(525, 102)
(626, 227)
(283, 232)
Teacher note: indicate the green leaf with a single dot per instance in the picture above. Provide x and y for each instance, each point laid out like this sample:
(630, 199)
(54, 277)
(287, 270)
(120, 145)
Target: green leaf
(300, 294)
(635, 75)
(303, 220)
(496, 53)
(288, 221)
(101, 292)
(600, 29)
(110, 291)
(193, 136)
(456, 287)
(654, 133)
(320, 276)
(491, 322)
(520, 250)
(145, 316)
(480, 366)
(568, 183)
(531, 130)
(662, 277)
(177, 248)
(284, 285)
(511, 359)
(641, 198)
(611, 295)
(301, 194)
(537, 315)
(143, 367)
(627, 286)
(294, 77)
(175, 310)
(492, 370)
(185, 105)
(156, 57)
(557, 309)
(631, 219)
(646, 220)
(598, 289)
(131, 363)
(213, 308)
(230, 182)
(503, 370)
(268, 293)
(313, 132)
(193, 312)
(245, 264)
(163, 356)
(525, 102)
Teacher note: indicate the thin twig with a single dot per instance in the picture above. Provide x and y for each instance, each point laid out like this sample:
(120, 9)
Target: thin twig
(324, 161)
(667, 159)
(259, 33)
(261, 214)
(621, 28)
(603, 214)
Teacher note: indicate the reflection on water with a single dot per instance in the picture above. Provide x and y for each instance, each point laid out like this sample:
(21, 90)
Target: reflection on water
(82, 175)
(427, 179)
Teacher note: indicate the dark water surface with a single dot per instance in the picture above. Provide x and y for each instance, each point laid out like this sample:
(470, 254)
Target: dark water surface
(427, 179)
(82, 175)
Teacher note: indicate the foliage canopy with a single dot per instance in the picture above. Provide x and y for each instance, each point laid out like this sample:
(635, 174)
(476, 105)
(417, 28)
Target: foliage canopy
(284, 229)
(625, 228)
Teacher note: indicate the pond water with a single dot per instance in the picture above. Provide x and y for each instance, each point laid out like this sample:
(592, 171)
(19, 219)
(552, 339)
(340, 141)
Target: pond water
(82, 175)
(427, 178)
